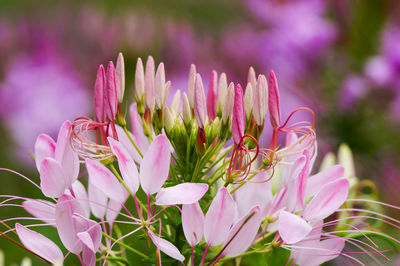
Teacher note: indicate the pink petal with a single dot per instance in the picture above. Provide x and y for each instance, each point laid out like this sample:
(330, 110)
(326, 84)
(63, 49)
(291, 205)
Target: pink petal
(84, 237)
(120, 77)
(199, 102)
(149, 83)
(39, 244)
(192, 223)
(110, 96)
(243, 232)
(105, 180)
(212, 96)
(45, 146)
(317, 253)
(113, 210)
(88, 256)
(327, 200)
(317, 181)
(42, 209)
(219, 218)
(126, 142)
(155, 165)
(166, 247)
(185, 193)
(273, 101)
(65, 155)
(294, 183)
(89, 232)
(65, 208)
(256, 192)
(238, 116)
(292, 228)
(98, 201)
(52, 178)
(126, 165)
(137, 128)
(82, 196)
(99, 112)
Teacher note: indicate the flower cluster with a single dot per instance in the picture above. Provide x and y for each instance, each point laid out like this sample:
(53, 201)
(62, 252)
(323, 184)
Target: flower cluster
(204, 188)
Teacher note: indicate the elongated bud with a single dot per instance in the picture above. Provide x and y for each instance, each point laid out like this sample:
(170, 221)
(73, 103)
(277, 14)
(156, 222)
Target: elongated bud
(238, 116)
(111, 96)
(248, 101)
(120, 77)
(228, 105)
(166, 92)
(251, 78)
(176, 102)
(139, 80)
(149, 83)
(222, 92)
(199, 102)
(273, 101)
(99, 86)
(212, 96)
(186, 113)
(260, 100)
(159, 86)
(192, 84)
(169, 120)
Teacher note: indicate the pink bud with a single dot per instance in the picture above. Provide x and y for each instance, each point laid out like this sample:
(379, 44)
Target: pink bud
(149, 83)
(251, 78)
(159, 86)
(192, 84)
(111, 97)
(99, 112)
(238, 117)
(212, 96)
(139, 79)
(199, 102)
(273, 101)
(228, 104)
(260, 100)
(120, 77)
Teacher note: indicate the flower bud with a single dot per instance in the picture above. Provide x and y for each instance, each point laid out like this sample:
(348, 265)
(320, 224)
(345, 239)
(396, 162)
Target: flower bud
(99, 86)
(260, 100)
(120, 77)
(199, 102)
(159, 86)
(222, 92)
(228, 104)
(251, 78)
(166, 92)
(169, 120)
(273, 101)
(212, 96)
(139, 80)
(192, 84)
(149, 83)
(248, 101)
(186, 113)
(238, 116)
(111, 97)
(176, 102)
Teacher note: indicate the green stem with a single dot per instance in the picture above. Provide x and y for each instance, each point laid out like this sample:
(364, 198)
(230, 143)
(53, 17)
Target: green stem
(126, 246)
(134, 144)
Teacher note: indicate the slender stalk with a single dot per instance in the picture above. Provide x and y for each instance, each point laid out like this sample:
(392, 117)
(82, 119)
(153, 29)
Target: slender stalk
(204, 255)
(126, 246)
(134, 144)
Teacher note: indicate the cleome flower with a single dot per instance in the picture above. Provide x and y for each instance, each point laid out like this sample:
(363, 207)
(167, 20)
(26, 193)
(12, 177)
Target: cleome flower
(192, 180)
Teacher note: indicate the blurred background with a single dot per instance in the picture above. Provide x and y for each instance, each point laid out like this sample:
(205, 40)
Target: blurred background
(339, 57)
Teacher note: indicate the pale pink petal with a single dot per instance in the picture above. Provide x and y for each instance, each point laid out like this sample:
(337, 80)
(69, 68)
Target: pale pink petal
(192, 223)
(293, 182)
(98, 201)
(39, 244)
(317, 253)
(327, 200)
(45, 146)
(166, 247)
(126, 165)
(113, 210)
(149, 83)
(219, 218)
(126, 142)
(212, 96)
(317, 181)
(105, 180)
(85, 238)
(155, 165)
(137, 128)
(65, 208)
(256, 192)
(292, 228)
(42, 209)
(185, 193)
(89, 231)
(242, 233)
(238, 116)
(82, 196)
(99, 112)
(52, 178)
(120, 77)
(88, 256)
